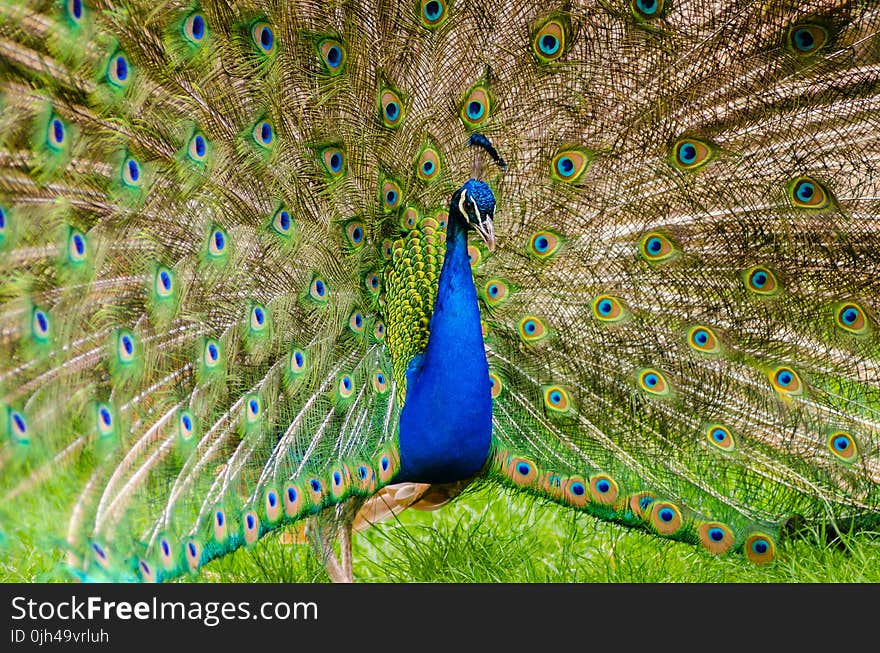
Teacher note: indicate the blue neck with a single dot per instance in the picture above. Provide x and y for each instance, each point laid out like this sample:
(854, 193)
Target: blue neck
(446, 423)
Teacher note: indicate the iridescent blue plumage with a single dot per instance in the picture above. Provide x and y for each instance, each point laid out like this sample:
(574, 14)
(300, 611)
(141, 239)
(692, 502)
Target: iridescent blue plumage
(446, 423)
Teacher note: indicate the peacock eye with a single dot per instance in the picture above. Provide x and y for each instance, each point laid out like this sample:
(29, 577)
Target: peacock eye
(691, 153)
(118, 72)
(390, 108)
(569, 165)
(808, 39)
(476, 107)
(264, 37)
(549, 40)
(194, 28)
(263, 134)
(334, 161)
(807, 193)
(333, 55)
(433, 12)
(648, 9)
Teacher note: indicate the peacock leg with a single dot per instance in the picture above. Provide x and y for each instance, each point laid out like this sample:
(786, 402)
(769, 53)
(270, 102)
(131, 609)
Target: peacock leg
(321, 539)
(345, 550)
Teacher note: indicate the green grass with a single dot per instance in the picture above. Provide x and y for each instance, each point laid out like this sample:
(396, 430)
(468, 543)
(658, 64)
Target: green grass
(494, 535)
(497, 536)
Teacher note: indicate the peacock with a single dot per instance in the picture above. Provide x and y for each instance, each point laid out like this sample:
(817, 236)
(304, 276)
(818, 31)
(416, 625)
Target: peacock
(298, 266)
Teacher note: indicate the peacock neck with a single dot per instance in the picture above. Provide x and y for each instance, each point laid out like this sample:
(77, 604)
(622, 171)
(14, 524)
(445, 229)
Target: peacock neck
(446, 423)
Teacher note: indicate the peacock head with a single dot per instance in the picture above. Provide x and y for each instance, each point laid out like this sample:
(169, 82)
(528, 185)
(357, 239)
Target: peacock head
(476, 204)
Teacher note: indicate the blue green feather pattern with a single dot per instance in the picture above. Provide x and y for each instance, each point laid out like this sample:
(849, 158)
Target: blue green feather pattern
(223, 229)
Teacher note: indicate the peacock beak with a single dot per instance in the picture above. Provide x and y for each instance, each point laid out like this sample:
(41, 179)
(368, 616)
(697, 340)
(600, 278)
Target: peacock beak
(487, 233)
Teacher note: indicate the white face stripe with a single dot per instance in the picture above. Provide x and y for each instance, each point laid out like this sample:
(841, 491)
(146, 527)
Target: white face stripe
(464, 212)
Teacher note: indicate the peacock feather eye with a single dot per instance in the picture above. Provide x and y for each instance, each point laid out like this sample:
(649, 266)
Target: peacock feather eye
(574, 490)
(761, 281)
(496, 292)
(146, 571)
(410, 219)
(719, 436)
(428, 164)
(357, 322)
(17, 427)
(372, 283)
(263, 37)
(333, 55)
(218, 244)
(545, 244)
(807, 193)
(253, 408)
(608, 309)
(380, 382)
(271, 505)
(496, 385)
(648, 9)
(76, 245)
(186, 426)
(56, 133)
(333, 159)
(715, 537)
(442, 218)
(759, 548)
(556, 399)
(807, 39)
(292, 498)
(843, 445)
(130, 173)
(318, 289)
(263, 134)
(74, 11)
(3, 224)
(640, 504)
(258, 319)
(653, 382)
(521, 471)
(550, 39)
(665, 517)
(476, 107)
(851, 317)
(603, 489)
(345, 386)
(704, 340)
(250, 526)
(655, 247)
(41, 325)
(297, 361)
(195, 28)
(387, 464)
(786, 381)
(282, 223)
(118, 70)
(691, 153)
(432, 13)
(531, 329)
(379, 331)
(211, 353)
(125, 347)
(355, 234)
(390, 195)
(391, 109)
(193, 552)
(569, 165)
(197, 148)
(104, 420)
(475, 256)
(163, 282)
